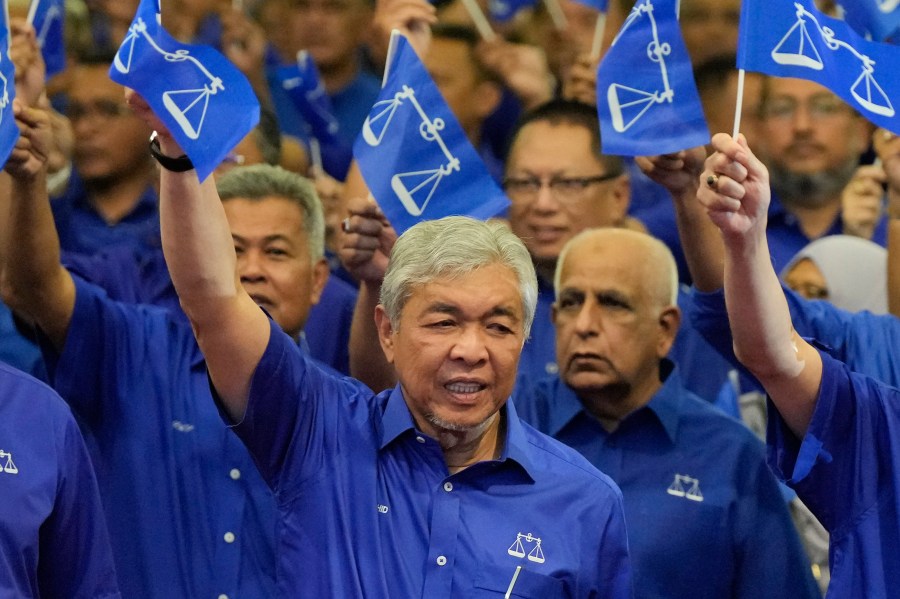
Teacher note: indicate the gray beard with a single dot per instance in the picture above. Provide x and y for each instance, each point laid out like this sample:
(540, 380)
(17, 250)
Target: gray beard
(811, 190)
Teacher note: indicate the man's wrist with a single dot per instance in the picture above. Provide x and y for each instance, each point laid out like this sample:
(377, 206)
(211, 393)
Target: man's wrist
(178, 164)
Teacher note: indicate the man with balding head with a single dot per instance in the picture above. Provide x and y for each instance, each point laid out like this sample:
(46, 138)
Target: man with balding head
(705, 516)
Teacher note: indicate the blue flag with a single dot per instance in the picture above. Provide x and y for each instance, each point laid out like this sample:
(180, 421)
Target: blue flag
(875, 19)
(504, 10)
(414, 156)
(47, 18)
(206, 103)
(646, 96)
(790, 38)
(9, 131)
(303, 86)
(601, 5)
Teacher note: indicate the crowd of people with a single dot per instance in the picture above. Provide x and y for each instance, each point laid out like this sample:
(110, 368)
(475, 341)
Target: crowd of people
(663, 376)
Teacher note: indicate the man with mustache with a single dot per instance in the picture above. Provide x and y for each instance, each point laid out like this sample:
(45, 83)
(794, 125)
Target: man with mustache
(811, 142)
(696, 487)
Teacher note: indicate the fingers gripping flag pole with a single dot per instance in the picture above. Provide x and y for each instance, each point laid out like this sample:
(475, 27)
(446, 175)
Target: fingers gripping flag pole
(646, 97)
(205, 102)
(413, 154)
(791, 38)
(9, 131)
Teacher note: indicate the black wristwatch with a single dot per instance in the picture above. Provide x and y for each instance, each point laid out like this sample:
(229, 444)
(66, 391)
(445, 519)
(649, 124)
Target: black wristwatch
(176, 165)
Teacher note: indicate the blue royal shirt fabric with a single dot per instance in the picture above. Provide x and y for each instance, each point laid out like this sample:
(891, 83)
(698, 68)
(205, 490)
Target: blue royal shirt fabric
(188, 514)
(82, 229)
(862, 340)
(53, 538)
(845, 469)
(143, 278)
(706, 518)
(369, 509)
(786, 238)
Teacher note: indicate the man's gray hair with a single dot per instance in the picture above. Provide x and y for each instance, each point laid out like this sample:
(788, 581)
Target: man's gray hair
(451, 247)
(260, 181)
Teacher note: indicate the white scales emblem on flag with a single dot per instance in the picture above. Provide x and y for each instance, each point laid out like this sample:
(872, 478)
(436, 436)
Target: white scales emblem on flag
(797, 48)
(415, 188)
(53, 15)
(887, 6)
(628, 104)
(187, 106)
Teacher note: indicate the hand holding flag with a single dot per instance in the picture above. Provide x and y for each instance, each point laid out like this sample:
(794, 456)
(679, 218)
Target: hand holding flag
(413, 154)
(205, 102)
(9, 131)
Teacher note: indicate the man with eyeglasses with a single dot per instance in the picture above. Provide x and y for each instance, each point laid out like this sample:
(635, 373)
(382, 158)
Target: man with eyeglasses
(811, 142)
(110, 199)
(559, 184)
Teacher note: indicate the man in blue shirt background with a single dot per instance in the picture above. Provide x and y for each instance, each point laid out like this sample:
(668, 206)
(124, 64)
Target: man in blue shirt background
(188, 514)
(53, 538)
(833, 437)
(705, 515)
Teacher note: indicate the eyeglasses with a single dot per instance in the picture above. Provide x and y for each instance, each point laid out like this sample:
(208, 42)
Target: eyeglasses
(105, 109)
(820, 107)
(564, 189)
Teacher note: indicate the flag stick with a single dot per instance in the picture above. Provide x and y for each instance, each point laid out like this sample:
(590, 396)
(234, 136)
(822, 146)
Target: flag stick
(739, 104)
(315, 154)
(599, 28)
(32, 10)
(391, 50)
(556, 14)
(481, 22)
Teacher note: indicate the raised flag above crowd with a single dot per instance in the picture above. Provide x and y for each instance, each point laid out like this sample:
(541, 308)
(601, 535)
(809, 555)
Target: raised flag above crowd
(791, 38)
(48, 19)
(646, 96)
(878, 20)
(193, 89)
(9, 131)
(413, 154)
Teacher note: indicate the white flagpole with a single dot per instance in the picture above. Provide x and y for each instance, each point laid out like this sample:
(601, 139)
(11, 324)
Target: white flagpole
(480, 20)
(739, 104)
(556, 14)
(315, 154)
(32, 10)
(599, 29)
(391, 50)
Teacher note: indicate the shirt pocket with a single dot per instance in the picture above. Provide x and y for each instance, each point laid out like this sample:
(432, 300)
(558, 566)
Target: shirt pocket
(494, 581)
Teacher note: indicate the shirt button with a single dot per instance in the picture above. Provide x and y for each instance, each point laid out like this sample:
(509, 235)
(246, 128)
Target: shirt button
(229, 537)
(448, 486)
(420, 439)
(234, 474)
(441, 560)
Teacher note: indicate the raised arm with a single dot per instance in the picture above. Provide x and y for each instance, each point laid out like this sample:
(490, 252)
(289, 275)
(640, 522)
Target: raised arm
(702, 243)
(231, 330)
(35, 285)
(737, 198)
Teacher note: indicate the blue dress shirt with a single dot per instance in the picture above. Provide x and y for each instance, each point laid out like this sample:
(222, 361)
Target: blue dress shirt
(705, 515)
(846, 471)
(188, 514)
(82, 229)
(864, 341)
(143, 278)
(53, 540)
(786, 238)
(369, 508)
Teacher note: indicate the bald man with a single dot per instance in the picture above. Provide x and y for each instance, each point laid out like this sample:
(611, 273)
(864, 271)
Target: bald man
(705, 516)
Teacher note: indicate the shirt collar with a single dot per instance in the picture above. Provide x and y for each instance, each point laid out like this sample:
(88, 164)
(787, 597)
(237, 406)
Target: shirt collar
(665, 403)
(146, 204)
(397, 420)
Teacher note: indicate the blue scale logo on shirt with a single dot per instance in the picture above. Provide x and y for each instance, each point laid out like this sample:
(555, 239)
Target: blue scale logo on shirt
(685, 486)
(8, 467)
